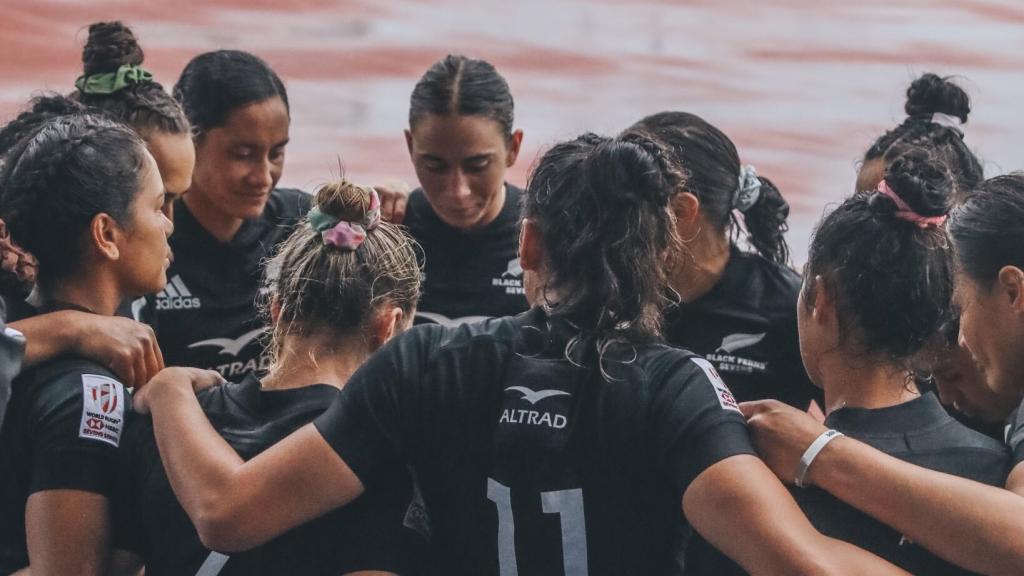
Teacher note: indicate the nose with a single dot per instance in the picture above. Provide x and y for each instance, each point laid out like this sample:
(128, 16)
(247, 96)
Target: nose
(168, 225)
(262, 174)
(458, 186)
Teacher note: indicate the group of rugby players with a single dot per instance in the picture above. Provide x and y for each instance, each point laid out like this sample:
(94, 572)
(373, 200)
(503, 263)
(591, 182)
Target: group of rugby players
(614, 370)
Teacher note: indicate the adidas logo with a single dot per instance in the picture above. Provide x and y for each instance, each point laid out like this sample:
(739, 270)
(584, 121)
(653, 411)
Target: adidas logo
(176, 296)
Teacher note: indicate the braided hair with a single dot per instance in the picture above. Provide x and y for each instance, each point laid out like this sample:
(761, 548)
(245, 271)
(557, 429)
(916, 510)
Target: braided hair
(58, 177)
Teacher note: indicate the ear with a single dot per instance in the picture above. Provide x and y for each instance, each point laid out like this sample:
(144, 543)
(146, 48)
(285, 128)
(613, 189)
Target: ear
(686, 209)
(1011, 280)
(387, 323)
(514, 145)
(531, 250)
(408, 141)
(275, 310)
(824, 301)
(106, 236)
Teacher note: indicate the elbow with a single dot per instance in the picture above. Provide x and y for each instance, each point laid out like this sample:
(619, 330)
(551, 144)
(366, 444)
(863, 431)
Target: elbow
(223, 530)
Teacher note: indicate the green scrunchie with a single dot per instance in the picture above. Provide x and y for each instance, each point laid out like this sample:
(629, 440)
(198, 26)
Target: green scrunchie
(320, 221)
(111, 82)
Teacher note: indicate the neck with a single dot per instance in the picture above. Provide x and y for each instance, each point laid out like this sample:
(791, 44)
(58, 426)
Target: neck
(701, 265)
(869, 382)
(220, 225)
(309, 360)
(97, 293)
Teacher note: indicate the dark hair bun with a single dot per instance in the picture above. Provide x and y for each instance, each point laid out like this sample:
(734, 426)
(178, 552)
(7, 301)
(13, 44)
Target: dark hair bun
(930, 94)
(630, 168)
(922, 180)
(110, 46)
(343, 200)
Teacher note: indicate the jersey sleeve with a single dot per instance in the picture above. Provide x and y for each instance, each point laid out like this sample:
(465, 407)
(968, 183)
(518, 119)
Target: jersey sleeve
(77, 423)
(697, 421)
(367, 422)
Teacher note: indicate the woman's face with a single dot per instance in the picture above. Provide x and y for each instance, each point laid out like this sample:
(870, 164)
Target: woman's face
(961, 385)
(239, 163)
(810, 335)
(175, 156)
(144, 252)
(460, 162)
(992, 333)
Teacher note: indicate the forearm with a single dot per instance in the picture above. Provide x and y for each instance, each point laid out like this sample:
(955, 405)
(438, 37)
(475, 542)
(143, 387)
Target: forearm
(46, 336)
(201, 466)
(978, 527)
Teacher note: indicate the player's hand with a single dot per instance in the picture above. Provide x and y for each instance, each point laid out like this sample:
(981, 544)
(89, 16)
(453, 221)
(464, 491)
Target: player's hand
(781, 434)
(176, 379)
(394, 194)
(127, 347)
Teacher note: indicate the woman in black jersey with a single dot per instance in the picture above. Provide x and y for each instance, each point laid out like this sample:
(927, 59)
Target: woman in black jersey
(334, 299)
(965, 522)
(231, 217)
(737, 308)
(114, 83)
(566, 440)
(865, 310)
(85, 197)
(937, 108)
(462, 140)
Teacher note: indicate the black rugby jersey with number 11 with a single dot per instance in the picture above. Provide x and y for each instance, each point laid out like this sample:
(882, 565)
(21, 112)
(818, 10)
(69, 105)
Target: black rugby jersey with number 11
(528, 463)
(207, 315)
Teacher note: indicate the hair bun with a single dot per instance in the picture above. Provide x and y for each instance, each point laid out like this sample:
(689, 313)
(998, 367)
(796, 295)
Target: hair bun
(922, 180)
(344, 200)
(931, 93)
(110, 46)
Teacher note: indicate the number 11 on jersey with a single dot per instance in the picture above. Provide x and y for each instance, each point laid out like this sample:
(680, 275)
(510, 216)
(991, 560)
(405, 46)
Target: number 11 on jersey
(568, 504)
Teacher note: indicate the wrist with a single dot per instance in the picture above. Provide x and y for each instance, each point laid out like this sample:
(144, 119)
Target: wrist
(827, 463)
(811, 454)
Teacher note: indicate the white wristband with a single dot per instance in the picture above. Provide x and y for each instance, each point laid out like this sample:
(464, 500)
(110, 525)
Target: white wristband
(812, 452)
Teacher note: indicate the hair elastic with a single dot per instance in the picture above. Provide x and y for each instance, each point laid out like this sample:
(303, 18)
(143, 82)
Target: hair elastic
(749, 190)
(344, 234)
(905, 212)
(110, 82)
(951, 122)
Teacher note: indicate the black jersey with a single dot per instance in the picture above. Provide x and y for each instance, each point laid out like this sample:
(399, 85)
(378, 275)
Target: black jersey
(919, 432)
(531, 464)
(366, 535)
(468, 275)
(746, 326)
(207, 315)
(63, 430)
(1015, 434)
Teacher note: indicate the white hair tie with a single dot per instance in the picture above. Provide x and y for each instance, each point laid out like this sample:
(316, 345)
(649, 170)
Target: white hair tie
(948, 121)
(749, 190)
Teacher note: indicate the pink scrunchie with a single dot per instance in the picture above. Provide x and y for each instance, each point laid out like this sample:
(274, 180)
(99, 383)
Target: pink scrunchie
(350, 235)
(905, 212)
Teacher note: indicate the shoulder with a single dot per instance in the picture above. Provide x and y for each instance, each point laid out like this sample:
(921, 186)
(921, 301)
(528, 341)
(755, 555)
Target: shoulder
(287, 205)
(772, 287)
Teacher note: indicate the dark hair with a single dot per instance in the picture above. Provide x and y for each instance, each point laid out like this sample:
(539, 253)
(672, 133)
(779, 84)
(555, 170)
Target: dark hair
(987, 228)
(145, 106)
(891, 278)
(713, 172)
(215, 84)
(928, 95)
(58, 177)
(602, 208)
(39, 110)
(322, 288)
(466, 87)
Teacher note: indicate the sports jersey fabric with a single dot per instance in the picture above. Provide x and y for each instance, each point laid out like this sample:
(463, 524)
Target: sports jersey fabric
(468, 275)
(529, 463)
(12, 350)
(63, 430)
(207, 315)
(746, 326)
(366, 535)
